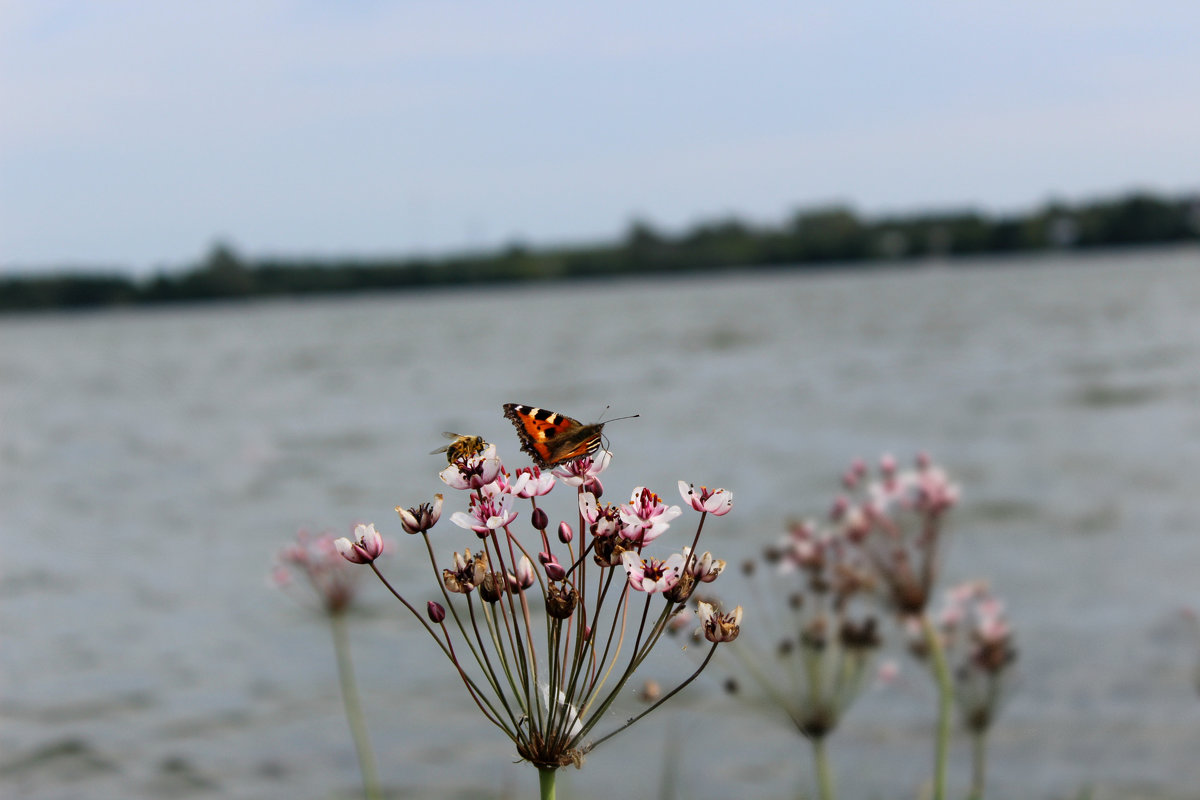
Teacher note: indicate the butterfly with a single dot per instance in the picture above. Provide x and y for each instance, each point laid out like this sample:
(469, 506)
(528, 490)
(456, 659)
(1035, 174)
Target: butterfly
(461, 448)
(551, 438)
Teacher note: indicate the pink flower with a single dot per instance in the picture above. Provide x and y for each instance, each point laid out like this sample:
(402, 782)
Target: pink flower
(602, 520)
(486, 513)
(652, 575)
(473, 473)
(531, 482)
(584, 471)
(709, 501)
(365, 548)
(646, 516)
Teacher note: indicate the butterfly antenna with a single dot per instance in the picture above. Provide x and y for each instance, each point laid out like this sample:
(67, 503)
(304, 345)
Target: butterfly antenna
(614, 419)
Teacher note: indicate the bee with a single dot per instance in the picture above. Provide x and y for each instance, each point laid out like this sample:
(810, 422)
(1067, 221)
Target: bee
(463, 447)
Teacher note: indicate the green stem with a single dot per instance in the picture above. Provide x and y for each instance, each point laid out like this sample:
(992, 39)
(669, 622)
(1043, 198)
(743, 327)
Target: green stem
(941, 674)
(546, 783)
(824, 775)
(353, 706)
(978, 764)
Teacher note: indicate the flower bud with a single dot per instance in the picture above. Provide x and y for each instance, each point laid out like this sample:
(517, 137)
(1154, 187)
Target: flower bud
(524, 577)
(565, 534)
(539, 519)
(436, 612)
(555, 571)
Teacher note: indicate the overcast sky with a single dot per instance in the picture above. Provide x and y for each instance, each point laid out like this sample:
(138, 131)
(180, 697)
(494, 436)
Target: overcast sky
(135, 134)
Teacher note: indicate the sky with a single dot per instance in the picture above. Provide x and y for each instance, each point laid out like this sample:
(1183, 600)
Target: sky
(135, 135)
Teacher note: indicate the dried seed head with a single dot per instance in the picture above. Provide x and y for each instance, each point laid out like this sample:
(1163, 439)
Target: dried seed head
(682, 590)
(560, 603)
(493, 586)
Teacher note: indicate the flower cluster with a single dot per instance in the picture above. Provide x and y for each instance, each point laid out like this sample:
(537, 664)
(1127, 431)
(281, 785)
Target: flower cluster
(878, 549)
(548, 682)
(979, 645)
(320, 561)
(826, 644)
(895, 519)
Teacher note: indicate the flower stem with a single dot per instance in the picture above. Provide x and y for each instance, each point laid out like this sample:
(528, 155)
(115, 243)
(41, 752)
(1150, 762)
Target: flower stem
(824, 775)
(546, 783)
(941, 674)
(978, 764)
(353, 706)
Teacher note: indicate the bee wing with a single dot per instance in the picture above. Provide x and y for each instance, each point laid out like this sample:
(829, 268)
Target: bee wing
(446, 435)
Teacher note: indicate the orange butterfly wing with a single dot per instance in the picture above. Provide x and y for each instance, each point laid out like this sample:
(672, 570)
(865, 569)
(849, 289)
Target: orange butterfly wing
(551, 438)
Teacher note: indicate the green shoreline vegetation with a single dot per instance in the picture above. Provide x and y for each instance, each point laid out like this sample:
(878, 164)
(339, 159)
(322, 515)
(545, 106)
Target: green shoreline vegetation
(820, 238)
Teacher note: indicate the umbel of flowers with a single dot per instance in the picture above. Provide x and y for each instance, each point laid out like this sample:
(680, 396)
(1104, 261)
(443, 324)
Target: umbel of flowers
(546, 621)
(825, 633)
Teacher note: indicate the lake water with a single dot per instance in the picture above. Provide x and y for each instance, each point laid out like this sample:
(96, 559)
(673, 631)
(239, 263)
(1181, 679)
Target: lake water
(152, 461)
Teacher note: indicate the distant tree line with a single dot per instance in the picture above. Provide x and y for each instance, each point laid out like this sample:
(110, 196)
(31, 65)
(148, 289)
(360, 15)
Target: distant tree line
(812, 239)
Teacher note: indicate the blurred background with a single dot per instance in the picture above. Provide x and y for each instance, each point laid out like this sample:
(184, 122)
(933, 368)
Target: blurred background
(1013, 184)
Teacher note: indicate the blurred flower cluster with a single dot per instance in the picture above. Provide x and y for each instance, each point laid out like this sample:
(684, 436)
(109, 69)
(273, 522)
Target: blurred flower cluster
(315, 562)
(827, 586)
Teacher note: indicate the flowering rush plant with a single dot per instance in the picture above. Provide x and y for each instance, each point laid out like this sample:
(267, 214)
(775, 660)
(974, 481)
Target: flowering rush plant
(545, 622)
(824, 633)
(896, 518)
(319, 562)
(980, 649)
